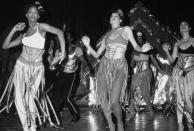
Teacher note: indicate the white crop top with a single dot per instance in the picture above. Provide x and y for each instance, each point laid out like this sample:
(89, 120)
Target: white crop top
(35, 40)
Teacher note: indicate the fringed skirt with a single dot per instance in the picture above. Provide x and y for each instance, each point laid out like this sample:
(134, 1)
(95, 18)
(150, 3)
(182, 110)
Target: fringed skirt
(184, 85)
(25, 87)
(107, 72)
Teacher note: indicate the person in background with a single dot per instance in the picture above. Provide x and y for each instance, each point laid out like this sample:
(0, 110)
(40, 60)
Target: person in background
(67, 81)
(183, 74)
(142, 78)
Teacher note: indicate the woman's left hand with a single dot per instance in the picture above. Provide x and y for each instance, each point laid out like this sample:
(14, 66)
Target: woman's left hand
(146, 47)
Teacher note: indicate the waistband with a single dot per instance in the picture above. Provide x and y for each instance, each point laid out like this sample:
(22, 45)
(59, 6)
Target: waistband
(143, 65)
(23, 60)
(188, 62)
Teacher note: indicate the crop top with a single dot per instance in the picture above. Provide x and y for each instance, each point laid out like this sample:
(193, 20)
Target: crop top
(35, 40)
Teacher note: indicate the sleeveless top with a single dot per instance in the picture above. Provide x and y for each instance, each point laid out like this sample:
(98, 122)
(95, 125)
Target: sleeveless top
(35, 40)
(186, 58)
(116, 45)
(72, 60)
(33, 48)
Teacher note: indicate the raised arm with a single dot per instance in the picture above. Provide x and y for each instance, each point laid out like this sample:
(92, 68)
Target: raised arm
(96, 54)
(59, 33)
(170, 57)
(128, 35)
(79, 54)
(8, 42)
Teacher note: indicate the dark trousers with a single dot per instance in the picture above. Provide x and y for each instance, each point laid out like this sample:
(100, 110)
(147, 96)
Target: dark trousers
(64, 91)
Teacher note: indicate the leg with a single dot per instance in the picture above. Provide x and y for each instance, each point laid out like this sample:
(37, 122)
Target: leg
(102, 89)
(59, 93)
(133, 86)
(145, 89)
(115, 97)
(179, 105)
(189, 92)
(69, 101)
(19, 103)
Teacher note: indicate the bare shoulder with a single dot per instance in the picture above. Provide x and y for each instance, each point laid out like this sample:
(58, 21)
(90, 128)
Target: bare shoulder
(43, 25)
(127, 28)
(126, 32)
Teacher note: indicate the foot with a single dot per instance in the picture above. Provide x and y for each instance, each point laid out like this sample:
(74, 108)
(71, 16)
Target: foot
(76, 118)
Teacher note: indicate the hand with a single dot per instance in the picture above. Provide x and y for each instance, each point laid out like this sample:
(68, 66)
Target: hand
(146, 47)
(165, 47)
(20, 26)
(86, 40)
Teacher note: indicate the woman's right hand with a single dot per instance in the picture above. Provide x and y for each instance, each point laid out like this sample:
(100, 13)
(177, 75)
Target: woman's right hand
(86, 40)
(20, 26)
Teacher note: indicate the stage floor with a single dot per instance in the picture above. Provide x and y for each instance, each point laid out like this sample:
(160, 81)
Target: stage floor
(94, 121)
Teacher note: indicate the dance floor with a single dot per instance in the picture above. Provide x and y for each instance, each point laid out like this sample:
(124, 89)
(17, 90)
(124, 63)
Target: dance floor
(94, 121)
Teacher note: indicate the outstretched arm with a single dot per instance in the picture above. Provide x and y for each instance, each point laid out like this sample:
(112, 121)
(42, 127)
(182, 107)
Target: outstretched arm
(59, 33)
(170, 57)
(96, 54)
(128, 35)
(79, 54)
(9, 43)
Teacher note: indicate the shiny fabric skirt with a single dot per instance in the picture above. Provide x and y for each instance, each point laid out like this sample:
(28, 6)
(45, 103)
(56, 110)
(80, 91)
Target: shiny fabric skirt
(25, 88)
(184, 85)
(107, 72)
(141, 86)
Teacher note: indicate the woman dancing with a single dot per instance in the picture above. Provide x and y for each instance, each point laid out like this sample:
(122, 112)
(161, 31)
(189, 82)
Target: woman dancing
(27, 78)
(183, 74)
(113, 69)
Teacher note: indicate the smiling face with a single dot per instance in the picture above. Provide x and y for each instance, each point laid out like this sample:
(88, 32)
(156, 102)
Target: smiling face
(184, 27)
(115, 20)
(32, 14)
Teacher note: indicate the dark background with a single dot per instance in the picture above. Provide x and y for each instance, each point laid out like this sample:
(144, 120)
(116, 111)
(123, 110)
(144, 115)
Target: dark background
(88, 16)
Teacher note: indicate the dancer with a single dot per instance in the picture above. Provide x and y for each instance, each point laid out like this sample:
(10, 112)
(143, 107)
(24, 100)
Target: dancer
(142, 78)
(113, 69)
(183, 74)
(27, 79)
(67, 82)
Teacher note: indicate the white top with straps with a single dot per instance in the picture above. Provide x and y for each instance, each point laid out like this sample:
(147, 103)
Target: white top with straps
(35, 40)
